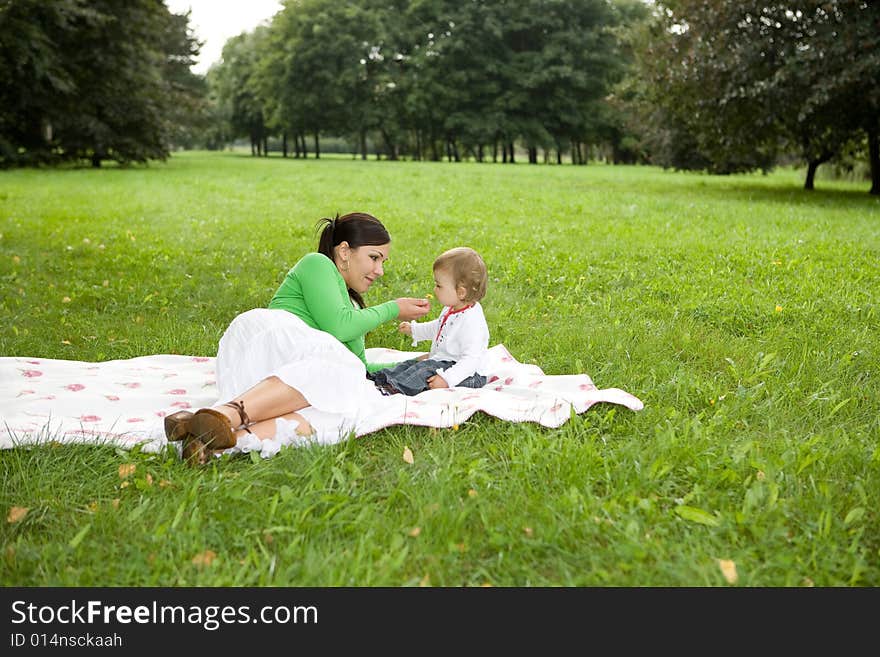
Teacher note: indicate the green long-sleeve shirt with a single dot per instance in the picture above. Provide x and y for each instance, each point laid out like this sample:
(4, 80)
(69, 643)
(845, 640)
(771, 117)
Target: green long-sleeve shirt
(315, 291)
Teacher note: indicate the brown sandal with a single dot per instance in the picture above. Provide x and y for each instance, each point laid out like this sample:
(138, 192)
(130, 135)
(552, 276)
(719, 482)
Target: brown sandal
(176, 425)
(242, 415)
(205, 432)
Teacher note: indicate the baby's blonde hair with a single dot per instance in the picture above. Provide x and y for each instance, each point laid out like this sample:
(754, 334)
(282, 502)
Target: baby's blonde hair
(468, 271)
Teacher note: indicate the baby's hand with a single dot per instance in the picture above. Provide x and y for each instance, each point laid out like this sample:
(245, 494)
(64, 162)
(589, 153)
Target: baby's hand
(404, 327)
(437, 381)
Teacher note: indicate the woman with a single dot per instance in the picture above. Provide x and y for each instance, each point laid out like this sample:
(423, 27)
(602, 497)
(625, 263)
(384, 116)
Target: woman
(306, 349)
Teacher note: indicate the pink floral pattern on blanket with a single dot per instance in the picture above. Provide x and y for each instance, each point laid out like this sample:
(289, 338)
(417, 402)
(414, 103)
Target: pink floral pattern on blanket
(73, 401)
(125, 401)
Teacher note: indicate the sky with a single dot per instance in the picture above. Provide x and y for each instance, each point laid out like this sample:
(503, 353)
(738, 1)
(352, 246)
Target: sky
(214, 21)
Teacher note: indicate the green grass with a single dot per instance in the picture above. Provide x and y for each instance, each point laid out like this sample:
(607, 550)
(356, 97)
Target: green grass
(742, 310)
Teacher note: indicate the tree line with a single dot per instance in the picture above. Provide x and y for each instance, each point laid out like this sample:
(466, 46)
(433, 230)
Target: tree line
(712, 85)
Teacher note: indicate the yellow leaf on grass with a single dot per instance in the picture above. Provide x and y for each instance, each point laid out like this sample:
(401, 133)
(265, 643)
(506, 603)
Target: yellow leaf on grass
(16, 513)
(415, 531)
(408, 455)
(728, 569)
(205, 558)
(126, 470)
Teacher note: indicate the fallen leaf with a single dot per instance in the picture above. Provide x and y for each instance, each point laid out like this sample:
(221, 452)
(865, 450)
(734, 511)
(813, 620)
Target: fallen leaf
(728, 569)
(408, 455)
(426, 581)
(93, 506)
(164, 483)
(149, 479)
(415, 531)
(115, 503)
(126, 470)
(528, 531)
(695, 514)
(16, 513)
(472, 492)
(205, 558)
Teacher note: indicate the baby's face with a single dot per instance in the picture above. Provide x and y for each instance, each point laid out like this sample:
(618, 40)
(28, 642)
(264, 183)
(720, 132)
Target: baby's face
(445, 291)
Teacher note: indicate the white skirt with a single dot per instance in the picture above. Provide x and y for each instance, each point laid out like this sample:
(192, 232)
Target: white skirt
(264, 342)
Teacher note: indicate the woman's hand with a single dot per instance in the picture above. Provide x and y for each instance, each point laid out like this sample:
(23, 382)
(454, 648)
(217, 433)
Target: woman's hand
(410, 308)
(405, 327)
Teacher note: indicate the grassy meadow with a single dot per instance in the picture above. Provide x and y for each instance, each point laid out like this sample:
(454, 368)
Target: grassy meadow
(742, 310)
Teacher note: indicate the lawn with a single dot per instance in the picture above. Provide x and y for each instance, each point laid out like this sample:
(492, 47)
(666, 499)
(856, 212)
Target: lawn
(742, 310)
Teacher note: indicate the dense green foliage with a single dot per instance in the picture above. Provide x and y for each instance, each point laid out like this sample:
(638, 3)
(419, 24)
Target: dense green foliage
(741, 310)
(731, 85)
(95, 80)
(432, 78)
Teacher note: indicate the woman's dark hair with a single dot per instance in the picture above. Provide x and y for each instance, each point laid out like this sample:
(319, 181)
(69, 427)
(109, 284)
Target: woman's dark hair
(358, 229)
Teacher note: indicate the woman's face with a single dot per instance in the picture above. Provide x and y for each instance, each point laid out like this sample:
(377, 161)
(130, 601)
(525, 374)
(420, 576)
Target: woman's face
(363, 266)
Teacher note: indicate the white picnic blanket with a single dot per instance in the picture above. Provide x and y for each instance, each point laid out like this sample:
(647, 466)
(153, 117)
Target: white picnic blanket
(122, 402)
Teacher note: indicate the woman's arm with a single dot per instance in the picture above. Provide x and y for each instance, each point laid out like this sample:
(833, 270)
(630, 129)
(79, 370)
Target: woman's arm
(329, 305)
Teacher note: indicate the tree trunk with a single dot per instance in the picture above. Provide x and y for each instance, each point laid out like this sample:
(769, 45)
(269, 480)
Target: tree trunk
(533, 154)
(302, 144)
(284, 144)
(265, 146)
(363, 144)
(495, 150)
(96, 161)
(874, 158)
(317, 147)
(812, 165)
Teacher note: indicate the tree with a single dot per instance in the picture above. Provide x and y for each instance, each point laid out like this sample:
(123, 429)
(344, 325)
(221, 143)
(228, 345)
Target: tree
(749, 78)
(95, 80)
(239, 89)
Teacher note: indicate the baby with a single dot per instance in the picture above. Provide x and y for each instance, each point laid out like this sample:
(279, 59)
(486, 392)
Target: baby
(459, 336)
